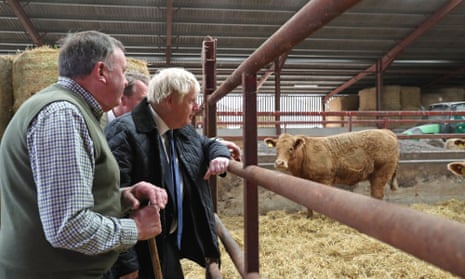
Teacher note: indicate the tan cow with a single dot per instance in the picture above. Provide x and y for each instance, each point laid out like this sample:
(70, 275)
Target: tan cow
(455, 144)
(345, 159)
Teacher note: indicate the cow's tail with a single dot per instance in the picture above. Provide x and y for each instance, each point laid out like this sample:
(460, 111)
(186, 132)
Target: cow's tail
(393, 183)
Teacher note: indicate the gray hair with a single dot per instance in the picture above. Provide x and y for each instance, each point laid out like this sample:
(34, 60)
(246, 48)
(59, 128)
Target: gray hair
(82, 50)
(132, 77)
(169, 81)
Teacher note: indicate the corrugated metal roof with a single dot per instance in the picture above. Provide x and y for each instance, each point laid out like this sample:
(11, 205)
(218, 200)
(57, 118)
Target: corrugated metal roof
(327, 59)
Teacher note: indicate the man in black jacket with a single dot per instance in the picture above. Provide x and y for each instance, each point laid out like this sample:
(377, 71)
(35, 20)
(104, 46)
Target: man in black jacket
(139, 144)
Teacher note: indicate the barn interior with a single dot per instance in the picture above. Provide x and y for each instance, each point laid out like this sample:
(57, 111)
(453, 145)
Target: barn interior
(371, 44)
(418, 43)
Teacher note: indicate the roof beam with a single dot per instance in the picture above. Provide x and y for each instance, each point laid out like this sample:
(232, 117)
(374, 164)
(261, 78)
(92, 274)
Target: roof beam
(169, 30)
(389, 57)
(25, 21)
(311, 17)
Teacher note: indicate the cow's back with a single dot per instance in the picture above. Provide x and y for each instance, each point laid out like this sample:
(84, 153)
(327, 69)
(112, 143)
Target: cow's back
(357, 155)
(377, 144)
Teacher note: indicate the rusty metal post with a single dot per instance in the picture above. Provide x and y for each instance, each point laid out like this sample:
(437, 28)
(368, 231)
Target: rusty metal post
(379, 89)
(209, 86)
(249, 85)
(277, 95)
(436, 240)
(311, 17)
(233, 249)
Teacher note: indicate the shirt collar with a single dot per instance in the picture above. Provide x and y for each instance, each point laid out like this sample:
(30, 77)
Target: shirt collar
(161, 125)
(81, 91)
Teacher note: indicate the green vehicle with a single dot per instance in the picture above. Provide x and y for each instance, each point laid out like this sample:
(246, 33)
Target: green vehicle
(441, 128)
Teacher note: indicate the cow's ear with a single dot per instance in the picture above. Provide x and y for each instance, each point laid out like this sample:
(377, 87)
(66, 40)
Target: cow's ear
(459, 142)
(270, 142)
(457, 168)
(298, 142)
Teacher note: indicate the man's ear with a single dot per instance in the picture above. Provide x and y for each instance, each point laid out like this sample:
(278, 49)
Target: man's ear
(99, 71)
(171, 100)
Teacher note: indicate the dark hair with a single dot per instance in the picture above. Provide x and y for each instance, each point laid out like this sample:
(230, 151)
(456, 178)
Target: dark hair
(132, 77)
(82, 50)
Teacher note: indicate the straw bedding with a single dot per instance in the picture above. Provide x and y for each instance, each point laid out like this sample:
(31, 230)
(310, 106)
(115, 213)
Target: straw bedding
(292, 246)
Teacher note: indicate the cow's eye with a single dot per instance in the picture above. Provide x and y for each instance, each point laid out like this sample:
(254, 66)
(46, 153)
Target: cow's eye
(291, 149)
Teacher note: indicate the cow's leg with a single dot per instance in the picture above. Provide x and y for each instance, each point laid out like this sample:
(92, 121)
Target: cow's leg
(377, 184)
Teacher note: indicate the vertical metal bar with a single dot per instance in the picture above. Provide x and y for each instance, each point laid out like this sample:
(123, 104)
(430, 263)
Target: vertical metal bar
(249, 85)
(379, 88)
(277, 98)
(379, 84)
(209, 86)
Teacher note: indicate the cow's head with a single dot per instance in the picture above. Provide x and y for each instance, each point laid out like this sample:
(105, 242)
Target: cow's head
(286, 147)
(455, 143)
(457, 168)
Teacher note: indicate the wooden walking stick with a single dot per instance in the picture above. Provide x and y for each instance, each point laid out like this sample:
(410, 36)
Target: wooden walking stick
(155, 259)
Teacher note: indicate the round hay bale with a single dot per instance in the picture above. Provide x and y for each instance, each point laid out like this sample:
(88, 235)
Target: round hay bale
(410, 96)
(136, 65)
(342, 103)
(367, 99)
(390, 97)
(6, 91)
(33, 70)
(335, 104)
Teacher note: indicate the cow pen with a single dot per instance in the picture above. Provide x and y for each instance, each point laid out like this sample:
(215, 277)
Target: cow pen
(419, 234)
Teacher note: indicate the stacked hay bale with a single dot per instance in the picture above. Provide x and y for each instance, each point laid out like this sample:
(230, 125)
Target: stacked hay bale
(136, 65)
(390, 97)
(342, 103)
(6, 91)
(394, 97)
(367, 102)
(390, 100)
(33, 70)
(410, 100)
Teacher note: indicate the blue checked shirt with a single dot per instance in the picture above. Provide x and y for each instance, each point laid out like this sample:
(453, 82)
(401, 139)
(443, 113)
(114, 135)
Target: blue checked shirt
(62, 160)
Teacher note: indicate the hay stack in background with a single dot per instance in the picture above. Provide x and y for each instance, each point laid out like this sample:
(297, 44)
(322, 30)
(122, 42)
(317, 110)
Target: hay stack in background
(367, 102)
(410, 97)
(410, 100)
(367, 99)
(342, 103)
(390, 97)
(6, 91)
(136, 65)
(33, 70)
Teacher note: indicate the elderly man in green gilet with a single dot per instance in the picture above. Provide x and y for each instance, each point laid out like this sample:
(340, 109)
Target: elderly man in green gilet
(61, 204)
